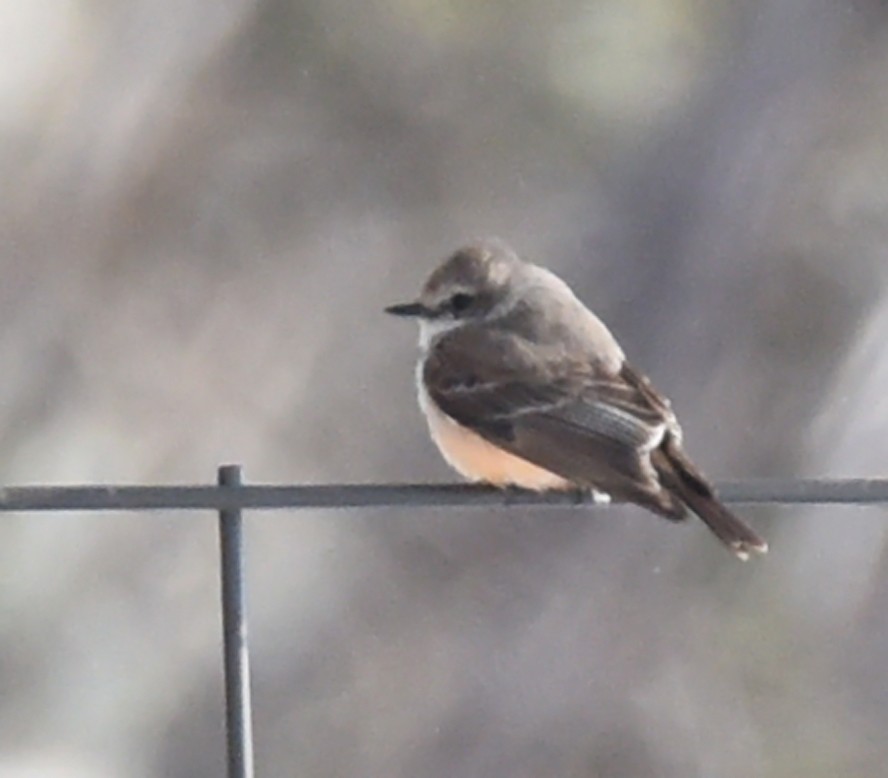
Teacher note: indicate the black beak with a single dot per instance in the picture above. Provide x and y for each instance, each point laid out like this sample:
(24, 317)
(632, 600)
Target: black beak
(407, 309)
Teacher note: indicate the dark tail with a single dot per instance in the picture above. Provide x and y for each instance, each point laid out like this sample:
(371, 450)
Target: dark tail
(680, 476)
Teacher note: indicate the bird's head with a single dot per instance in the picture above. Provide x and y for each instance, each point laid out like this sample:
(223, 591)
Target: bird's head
(472, 284)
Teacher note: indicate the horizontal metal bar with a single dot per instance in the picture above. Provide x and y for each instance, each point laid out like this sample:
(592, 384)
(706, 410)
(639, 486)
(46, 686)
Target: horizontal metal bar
(855, 491)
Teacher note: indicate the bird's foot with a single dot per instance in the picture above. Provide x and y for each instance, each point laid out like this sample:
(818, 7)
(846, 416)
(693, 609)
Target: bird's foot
(514, 495)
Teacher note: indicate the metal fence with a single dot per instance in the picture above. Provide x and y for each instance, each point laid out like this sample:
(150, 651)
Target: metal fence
(230, 497)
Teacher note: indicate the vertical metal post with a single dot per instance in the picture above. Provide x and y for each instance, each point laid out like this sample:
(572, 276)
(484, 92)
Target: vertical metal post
(238, 712)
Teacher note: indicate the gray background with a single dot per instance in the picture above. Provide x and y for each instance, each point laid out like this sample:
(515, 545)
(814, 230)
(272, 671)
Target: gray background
(207, 203)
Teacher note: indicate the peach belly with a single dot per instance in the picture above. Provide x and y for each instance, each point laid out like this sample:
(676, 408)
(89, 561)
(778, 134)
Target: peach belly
(477, 460)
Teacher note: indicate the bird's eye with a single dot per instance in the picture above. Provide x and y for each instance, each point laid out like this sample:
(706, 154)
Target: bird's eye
(460, 302)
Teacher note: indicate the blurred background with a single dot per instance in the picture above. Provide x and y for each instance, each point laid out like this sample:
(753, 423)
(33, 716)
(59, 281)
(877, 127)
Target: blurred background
(207, 206)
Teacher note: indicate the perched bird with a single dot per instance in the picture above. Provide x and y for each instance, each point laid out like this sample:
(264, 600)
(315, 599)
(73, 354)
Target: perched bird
(524, 386)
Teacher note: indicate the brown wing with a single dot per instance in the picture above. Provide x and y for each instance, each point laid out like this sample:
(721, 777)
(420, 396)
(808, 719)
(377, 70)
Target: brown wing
(562, 412)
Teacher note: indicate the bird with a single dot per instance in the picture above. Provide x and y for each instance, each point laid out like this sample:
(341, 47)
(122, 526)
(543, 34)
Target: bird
(524, 387)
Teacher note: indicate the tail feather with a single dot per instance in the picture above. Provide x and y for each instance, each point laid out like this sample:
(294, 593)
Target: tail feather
(732, 531)
(679, 475)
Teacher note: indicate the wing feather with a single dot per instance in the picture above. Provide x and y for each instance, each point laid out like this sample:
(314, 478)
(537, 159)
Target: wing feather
(565, 413)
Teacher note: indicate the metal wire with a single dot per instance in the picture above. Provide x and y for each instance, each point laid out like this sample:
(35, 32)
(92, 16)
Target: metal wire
(229, 497)
(854, 491)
